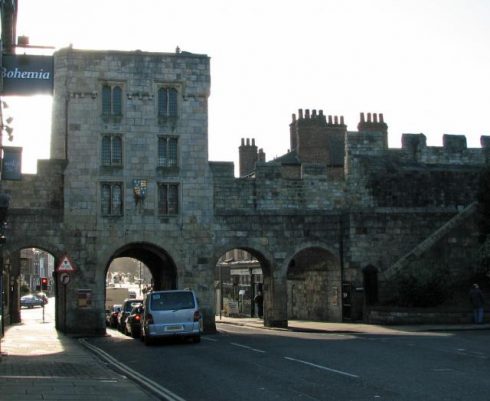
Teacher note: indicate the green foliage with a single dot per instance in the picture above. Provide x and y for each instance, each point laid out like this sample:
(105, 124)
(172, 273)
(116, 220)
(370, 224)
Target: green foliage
(24, 289)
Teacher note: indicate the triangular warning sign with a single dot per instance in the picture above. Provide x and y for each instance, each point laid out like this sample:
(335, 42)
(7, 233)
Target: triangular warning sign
(66, 265)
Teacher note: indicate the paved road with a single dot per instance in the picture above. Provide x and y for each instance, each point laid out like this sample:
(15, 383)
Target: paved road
(241, 363)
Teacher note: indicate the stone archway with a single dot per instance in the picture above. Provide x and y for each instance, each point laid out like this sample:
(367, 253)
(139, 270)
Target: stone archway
(242, 272)
(161, 265)
(314, 285)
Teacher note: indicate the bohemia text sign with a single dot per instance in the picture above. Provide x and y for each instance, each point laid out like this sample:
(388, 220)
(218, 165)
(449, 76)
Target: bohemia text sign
(25, 74)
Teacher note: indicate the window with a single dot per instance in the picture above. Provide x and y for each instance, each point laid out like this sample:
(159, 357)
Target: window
(111, 199)
(111, 150)
(167, 103)
(168, 199)
(111, 101)
(167, 151)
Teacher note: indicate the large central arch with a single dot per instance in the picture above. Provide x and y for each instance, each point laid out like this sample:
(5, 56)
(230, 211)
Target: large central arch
(158, 261)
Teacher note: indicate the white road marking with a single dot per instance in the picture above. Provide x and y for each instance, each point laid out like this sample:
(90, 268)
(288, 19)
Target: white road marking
(209, 339)
(150, 385)
(247, 347)
(321, 367)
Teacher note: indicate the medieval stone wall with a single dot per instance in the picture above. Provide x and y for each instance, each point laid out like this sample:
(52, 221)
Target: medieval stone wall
(343, 195)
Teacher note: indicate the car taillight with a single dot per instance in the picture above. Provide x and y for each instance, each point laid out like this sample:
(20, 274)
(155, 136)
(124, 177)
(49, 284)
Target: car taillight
(197, 316)
(149, 319)
(137, 317)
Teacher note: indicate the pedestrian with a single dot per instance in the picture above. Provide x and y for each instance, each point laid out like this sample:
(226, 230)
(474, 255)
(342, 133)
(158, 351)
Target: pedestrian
(259, 301)
(476, 298)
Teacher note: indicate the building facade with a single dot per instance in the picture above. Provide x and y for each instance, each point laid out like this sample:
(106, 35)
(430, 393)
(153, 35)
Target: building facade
(330, 223)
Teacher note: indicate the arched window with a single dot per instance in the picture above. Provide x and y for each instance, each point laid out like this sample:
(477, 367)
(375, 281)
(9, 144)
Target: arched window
(111, 101)
(117, 101)
(167, 103)
(106, 100)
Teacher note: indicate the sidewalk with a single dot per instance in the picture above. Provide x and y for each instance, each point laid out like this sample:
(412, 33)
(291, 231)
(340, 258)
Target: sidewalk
(331, 327)
(39, 363)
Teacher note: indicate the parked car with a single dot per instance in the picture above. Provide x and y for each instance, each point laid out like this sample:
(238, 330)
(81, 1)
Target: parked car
(112, 314)
(173, 313)
(127, 306)
(133, 322)
(30, 301)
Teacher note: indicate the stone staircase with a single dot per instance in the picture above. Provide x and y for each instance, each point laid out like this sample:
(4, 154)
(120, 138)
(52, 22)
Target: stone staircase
(430, 241)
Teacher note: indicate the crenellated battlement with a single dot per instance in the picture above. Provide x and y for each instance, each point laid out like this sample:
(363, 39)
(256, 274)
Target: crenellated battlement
(454, 150)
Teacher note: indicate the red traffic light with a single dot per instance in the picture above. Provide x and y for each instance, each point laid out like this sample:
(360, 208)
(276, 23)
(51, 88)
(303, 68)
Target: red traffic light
(44, 283)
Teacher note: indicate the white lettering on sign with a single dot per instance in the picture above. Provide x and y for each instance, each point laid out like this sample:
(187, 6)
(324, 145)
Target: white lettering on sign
(20, 74)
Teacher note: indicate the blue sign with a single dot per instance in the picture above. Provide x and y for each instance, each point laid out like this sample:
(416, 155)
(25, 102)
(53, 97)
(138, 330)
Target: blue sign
(12, 163)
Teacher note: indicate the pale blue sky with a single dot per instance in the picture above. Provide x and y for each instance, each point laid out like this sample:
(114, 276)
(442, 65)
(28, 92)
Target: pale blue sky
(424, 64)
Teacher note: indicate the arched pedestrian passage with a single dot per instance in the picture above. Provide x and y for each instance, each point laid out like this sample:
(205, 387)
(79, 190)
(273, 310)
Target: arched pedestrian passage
(242, 277)
(314, 286)
(28, 270)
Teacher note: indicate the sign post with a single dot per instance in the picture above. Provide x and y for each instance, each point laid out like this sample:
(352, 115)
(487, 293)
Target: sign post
(65, 267)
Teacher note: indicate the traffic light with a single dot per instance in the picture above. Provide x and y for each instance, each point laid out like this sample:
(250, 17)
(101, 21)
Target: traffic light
(44, 283)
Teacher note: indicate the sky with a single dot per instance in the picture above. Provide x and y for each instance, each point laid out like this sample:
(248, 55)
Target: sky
(424, 64)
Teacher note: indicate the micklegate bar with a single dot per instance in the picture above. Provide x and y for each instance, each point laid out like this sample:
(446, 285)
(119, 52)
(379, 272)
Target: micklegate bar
(343, 227)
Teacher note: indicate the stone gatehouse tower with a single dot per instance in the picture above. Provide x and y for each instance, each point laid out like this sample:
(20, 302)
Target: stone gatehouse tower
(331, 222)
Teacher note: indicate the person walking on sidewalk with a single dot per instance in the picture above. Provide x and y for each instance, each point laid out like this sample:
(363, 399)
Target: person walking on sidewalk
(476, 298)
(259, 301)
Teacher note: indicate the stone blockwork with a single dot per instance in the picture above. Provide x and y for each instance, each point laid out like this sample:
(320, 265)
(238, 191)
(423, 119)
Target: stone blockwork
(314, 218)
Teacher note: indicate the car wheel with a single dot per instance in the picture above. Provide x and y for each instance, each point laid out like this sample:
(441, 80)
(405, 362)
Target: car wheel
(196, 339)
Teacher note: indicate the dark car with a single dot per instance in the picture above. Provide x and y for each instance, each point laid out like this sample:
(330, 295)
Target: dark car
(30, 301)
(112, 314)
(133, 322)
(127, 306)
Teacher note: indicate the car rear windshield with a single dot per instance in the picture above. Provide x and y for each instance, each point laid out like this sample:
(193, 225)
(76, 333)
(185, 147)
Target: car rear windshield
(172, 300)
(131, 305)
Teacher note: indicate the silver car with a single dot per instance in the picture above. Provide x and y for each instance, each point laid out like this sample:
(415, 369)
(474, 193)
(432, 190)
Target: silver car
(173, 313)
(30, 301)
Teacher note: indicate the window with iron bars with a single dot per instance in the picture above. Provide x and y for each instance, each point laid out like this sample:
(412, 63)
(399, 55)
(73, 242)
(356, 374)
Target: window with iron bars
(167, 103)
(111, 100)
(112, 198)
(111, 150)
(167, 151)
(168, 199)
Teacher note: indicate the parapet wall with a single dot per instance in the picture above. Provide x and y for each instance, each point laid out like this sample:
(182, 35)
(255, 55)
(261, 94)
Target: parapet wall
(373, 175)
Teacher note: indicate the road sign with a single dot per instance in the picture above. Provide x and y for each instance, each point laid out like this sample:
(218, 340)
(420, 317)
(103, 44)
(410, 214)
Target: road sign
(66, 265)
(64, 278)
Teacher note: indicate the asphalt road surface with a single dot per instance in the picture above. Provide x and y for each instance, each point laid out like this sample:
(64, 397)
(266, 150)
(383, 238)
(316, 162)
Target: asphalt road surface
(241, 364)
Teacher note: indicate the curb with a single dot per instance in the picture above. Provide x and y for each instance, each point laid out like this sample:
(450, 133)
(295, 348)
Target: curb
(149, 385)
